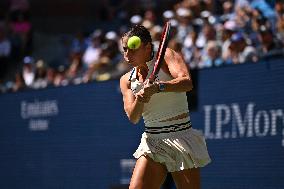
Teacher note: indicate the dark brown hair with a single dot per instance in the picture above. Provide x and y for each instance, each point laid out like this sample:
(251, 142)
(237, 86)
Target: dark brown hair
(141, 32)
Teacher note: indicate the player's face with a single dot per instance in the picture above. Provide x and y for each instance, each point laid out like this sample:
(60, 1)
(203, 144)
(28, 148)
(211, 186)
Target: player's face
(134, 57)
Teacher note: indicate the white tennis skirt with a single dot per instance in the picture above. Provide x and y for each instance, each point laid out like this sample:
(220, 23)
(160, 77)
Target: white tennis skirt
(184, 149)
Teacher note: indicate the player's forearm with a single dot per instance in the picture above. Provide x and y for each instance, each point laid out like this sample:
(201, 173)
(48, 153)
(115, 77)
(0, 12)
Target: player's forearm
(135, 111)
(180, 84)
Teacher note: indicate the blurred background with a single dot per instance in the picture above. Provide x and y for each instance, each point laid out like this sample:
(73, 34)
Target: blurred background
(62, 120)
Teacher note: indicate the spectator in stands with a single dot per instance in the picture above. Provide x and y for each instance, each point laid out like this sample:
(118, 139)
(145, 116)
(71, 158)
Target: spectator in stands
(93, 52)
(240, 50)
(3, 88)
(5, 44)
(106, 63)
(90, 73)
(59, 79)
(193, 5)
(174, 27)
(280, 28)
(269, 45)
(175, 45)
(147, 24)
(184, 17)
(208, 5)
(40, 80)
(78, 45)
(212, 55)
(265, 9)
(190, 50)
(208, 33)
(5, 51)
(243, 16)
(229, 28)
(150, 16)
(136, 19)
(279, 7)
(19, 83)
(228, 10)
(168, 15)
(28, 71)
(156, 32)
(258, 19)
(112, 52)
(50, 76)
(74, 73)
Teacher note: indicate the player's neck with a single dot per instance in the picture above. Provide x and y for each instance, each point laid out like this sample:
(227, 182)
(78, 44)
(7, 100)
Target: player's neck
(142, 68)
(150, 56)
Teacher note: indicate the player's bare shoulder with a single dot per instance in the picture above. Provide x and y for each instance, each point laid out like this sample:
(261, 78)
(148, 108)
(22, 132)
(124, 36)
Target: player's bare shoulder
(169, 52)
(171, 55)
(168, 59)
(124, 80)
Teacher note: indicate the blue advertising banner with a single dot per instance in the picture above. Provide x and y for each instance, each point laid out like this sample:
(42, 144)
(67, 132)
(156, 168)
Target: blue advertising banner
(241, 112)
(79, 136)
(69, 137)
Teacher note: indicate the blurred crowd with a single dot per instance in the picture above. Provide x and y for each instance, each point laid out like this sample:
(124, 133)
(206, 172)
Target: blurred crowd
(207, 33)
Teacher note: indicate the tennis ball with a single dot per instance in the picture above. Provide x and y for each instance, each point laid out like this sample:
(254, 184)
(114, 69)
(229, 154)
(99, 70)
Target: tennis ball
(134, 42)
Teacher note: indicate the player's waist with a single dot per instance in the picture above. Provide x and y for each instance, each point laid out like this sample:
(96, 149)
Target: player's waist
(168, 126)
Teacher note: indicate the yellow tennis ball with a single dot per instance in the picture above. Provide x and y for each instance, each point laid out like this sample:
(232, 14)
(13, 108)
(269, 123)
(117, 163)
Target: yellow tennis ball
(134, 42)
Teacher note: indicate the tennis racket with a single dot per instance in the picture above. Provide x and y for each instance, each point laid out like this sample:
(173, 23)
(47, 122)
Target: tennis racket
(161, 51)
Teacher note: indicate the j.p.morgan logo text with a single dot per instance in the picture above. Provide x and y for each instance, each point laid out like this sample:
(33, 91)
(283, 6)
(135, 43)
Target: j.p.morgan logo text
(235, 121)
(38, 113)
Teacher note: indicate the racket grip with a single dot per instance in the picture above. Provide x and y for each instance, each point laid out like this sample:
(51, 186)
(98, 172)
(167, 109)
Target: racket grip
(151, 80)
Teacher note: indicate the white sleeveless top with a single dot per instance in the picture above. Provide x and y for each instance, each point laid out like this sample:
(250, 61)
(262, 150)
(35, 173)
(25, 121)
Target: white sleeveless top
(162, 105)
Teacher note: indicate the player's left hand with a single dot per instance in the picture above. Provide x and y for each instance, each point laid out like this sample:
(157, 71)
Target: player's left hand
(148, 90)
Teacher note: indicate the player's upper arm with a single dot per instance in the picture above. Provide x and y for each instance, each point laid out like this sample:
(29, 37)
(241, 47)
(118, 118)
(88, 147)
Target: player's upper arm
(128, 97)
(123, 84)
(176, 65)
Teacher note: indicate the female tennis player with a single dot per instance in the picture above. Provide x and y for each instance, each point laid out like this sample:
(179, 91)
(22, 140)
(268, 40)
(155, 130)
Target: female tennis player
(169, 143)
